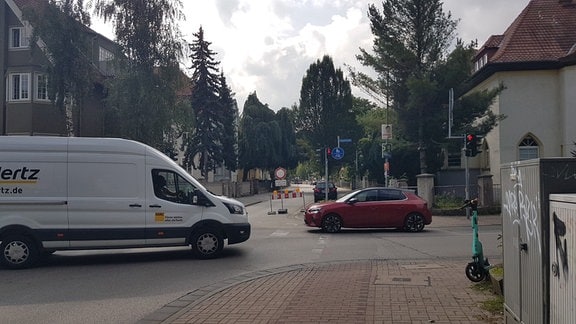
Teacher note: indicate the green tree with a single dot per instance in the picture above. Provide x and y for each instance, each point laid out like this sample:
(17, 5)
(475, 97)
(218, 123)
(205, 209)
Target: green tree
(230, 125)
(143, 101)
(414, 76)
(211, 113)
(259, 137)
(411, 37)
(288, 156)
(60, 26)
(326, 106)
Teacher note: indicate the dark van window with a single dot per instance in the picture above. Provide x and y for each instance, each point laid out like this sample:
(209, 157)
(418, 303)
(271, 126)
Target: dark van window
(169, 185)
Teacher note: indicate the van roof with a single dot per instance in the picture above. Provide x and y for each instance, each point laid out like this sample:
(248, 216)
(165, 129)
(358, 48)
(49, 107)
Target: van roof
(77, 144)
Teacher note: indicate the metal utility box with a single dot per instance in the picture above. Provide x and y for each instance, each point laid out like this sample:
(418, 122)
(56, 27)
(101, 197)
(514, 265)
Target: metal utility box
(562, 258)
(526, 188)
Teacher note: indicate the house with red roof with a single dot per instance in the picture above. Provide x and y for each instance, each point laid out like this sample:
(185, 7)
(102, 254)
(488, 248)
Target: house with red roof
(26, 106)
(535, 59)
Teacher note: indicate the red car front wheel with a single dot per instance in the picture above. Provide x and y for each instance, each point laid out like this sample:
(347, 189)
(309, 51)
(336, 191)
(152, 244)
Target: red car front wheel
(331, 223)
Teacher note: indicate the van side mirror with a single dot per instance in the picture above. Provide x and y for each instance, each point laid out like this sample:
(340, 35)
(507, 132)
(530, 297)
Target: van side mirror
(200, 199)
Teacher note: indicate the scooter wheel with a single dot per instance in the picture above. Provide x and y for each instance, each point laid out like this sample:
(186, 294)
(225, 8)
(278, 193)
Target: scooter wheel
(474, 272)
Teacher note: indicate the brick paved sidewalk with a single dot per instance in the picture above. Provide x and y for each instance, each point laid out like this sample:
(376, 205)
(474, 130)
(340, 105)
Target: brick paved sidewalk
(369, 291)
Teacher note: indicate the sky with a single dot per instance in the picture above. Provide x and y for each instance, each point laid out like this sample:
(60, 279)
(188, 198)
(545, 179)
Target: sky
(266, 46)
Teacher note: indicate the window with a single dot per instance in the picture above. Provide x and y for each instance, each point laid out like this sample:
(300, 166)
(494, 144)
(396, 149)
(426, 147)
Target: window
(105, 58)
(391, 194)
(481, 62)
(367, 195)
(455, 159)
(18, 86)
(105, 55)
(528, 149)
(42, 87)
(170, 186)
(18, 38)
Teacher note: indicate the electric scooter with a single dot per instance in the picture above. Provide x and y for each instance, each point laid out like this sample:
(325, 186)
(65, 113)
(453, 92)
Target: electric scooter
(477, 270)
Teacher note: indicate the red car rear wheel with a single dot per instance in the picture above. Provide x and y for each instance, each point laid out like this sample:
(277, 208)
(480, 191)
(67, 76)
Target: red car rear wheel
(414, 223)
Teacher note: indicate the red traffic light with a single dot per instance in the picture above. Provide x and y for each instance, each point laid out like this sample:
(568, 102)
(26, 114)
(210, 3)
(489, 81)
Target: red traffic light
(328, 151)
(471, 145)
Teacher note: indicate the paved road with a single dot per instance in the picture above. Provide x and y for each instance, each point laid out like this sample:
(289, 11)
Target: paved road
(126, 285)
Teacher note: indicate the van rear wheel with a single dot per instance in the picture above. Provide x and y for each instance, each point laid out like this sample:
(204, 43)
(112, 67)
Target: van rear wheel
(207, 243)
(18, 252)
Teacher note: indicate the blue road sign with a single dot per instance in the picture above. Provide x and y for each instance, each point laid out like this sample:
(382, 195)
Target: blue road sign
(345, 140)
(337, 153)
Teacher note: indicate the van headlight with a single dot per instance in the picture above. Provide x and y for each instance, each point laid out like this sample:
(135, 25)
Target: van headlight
(234, 209)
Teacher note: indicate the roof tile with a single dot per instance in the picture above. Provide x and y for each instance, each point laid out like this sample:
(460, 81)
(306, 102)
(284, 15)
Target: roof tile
(544, 31)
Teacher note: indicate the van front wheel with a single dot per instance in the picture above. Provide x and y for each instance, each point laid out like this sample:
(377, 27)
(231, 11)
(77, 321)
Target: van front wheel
(207, 243)
(18, 252)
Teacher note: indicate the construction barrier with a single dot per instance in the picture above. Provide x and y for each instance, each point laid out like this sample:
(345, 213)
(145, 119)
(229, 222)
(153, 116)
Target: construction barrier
(285, 194)
(294, 194)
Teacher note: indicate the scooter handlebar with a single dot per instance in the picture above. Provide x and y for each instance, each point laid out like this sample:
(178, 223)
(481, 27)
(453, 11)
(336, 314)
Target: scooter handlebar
(473, 203)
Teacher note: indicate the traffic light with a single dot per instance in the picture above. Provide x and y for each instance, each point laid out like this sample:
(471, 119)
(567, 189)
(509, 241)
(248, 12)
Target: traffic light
(471, 145)
(328, 151)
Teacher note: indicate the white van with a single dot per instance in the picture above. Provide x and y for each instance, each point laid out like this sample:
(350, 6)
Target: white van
(66, 193)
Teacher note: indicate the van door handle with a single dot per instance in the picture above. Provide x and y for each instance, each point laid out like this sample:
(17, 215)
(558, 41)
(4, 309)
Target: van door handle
(155, 206)
(135, 205)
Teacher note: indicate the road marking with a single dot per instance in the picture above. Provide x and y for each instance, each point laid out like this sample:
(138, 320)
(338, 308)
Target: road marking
(279, 233)
(321, 244)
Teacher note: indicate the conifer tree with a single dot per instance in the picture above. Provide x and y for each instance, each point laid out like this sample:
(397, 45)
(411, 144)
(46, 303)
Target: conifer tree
(230, 125)
(325, 110)
(204, 149)
(258, 137)
(415, 73)
(410, 39)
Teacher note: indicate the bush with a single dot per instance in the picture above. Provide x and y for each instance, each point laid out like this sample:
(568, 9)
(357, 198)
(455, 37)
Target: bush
(448, 201)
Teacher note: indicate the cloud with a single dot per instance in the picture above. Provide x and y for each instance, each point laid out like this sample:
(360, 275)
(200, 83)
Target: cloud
(267, 46)
(481, 19)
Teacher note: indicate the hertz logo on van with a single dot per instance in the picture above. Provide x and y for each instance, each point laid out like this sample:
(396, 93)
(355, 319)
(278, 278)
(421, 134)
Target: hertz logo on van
(21, 175)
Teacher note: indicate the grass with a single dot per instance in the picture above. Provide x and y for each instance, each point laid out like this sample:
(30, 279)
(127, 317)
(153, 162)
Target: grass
(497, 271)
(447, 201)
(494, 304)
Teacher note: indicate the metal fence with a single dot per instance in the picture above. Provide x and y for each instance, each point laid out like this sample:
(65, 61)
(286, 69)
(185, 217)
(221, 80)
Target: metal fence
(458, 192)
(240, 189)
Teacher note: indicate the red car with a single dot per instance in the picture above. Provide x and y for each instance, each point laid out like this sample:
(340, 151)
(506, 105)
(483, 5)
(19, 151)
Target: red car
(371, 208)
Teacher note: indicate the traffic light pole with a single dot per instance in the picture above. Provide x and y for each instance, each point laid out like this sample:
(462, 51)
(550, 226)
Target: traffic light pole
(326, 174)
(467, 176)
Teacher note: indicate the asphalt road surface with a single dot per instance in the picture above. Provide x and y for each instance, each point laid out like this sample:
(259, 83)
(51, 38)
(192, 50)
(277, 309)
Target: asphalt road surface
(123, 286)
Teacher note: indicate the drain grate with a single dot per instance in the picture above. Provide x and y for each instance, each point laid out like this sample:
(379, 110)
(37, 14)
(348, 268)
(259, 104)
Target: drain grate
(403, 281)
(422, 266)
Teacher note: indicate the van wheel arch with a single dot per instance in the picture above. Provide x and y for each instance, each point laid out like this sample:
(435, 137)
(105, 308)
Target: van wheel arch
(20, 230)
